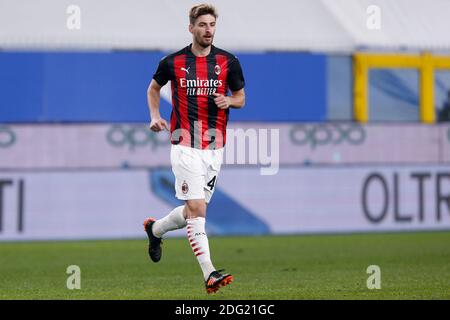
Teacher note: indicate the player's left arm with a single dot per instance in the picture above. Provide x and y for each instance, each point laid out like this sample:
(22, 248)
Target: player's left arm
(236, 84)
(236, 100)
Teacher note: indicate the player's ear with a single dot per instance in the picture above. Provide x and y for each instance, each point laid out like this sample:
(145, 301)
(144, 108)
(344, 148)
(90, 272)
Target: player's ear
(190, 27)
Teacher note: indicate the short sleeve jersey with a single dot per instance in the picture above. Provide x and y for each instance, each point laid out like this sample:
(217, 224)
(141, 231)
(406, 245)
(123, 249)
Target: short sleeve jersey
(196, 121)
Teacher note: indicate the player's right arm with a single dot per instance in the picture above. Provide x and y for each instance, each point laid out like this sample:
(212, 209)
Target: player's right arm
(153, 97)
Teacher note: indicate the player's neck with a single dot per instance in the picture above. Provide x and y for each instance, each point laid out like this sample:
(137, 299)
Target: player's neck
(200, 51)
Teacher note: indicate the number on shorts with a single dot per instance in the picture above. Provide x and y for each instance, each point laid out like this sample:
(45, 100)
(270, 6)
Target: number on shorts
(211, 183)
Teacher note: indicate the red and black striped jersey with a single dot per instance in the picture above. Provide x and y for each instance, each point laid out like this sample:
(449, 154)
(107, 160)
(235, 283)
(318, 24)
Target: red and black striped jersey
(196, 121)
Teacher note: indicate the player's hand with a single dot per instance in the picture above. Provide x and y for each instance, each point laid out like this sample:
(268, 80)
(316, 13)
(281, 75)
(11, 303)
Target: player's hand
(158, 124)
(221, 101)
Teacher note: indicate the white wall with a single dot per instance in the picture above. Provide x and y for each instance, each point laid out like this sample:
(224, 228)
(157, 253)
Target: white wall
(325, 25)
(113, 204)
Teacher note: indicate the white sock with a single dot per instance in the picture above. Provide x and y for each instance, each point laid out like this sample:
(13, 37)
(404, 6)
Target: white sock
(199, 243)
(173, 221)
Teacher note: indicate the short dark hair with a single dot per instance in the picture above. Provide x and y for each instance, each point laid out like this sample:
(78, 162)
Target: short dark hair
(200, 10)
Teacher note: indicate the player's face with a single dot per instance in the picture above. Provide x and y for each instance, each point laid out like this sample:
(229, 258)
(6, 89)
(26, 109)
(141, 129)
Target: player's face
(203, 30)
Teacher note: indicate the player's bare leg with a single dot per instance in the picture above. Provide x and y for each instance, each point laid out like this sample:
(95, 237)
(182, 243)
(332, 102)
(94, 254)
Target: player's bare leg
(195, 217)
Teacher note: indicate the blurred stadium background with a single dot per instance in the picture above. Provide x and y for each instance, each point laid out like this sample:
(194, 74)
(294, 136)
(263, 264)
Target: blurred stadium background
(359, 91)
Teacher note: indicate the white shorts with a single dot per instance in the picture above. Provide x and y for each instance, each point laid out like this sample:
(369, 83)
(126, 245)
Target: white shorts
(195, 171)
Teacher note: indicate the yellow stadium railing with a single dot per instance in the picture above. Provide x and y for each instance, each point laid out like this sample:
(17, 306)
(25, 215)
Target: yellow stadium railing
(425, 63)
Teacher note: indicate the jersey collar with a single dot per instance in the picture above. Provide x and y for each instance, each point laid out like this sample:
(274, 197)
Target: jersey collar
(190, 53)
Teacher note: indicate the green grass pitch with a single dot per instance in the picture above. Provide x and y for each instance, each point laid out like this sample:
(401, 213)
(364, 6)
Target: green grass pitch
(413, 266)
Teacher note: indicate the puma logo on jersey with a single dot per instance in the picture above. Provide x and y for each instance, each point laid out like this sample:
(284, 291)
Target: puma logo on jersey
(184, 69)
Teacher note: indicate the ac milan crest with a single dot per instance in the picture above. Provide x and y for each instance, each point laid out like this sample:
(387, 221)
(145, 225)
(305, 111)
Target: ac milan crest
(184, 187)
(217, 69)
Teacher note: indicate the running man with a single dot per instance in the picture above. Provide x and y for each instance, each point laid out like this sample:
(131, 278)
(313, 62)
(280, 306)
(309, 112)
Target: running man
(201, 76)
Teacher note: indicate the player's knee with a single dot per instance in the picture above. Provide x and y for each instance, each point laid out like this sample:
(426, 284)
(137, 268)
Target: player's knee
(195, 208)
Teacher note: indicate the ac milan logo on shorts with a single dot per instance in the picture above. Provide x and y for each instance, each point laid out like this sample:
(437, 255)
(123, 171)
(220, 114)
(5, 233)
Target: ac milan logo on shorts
(217, 69)
(184, 187)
